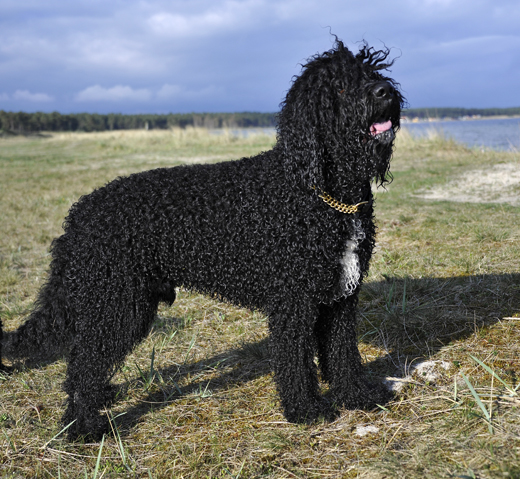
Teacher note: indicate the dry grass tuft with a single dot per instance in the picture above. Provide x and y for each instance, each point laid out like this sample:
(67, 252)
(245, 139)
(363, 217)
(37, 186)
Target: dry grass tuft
(439, 314)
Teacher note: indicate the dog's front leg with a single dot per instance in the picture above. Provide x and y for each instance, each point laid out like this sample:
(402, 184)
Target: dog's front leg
(339, 358)
(292, 353)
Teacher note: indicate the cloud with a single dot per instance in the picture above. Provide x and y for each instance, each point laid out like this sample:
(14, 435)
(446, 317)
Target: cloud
(26, 95)
(112, 53)
(116, 93)
(169, 91)
(227, 17)
(435, 3)
(174, 92)
(221, 55)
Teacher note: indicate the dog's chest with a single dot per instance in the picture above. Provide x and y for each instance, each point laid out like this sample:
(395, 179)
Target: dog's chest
(350, 259)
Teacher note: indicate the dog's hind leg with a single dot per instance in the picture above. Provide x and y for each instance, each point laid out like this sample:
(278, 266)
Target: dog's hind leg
(104, 336)
(292, 352)
(339, 358)
(88, 388)
(322, 336)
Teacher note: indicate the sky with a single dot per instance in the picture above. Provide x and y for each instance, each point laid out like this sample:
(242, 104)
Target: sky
(180, 56)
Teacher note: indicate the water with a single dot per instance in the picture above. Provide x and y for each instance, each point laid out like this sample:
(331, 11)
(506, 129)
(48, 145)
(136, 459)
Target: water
(497, 134)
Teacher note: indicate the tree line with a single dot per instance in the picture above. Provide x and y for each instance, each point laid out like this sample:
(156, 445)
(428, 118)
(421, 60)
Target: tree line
(425, 113)
(21, 122)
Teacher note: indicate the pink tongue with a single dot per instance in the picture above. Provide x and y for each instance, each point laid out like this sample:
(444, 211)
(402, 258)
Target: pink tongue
(377, 128)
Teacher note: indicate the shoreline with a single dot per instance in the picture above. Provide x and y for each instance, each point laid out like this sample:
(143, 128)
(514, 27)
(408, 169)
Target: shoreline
(406, 120)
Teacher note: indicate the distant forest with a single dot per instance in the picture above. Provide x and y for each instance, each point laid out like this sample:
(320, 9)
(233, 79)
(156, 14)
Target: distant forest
(425, 113)
(20, 122)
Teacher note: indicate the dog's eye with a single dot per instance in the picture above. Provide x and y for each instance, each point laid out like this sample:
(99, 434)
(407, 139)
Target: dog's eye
(341, 91)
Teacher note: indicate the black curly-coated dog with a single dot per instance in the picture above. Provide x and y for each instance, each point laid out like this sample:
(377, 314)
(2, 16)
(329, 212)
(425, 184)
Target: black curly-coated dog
(289, 232)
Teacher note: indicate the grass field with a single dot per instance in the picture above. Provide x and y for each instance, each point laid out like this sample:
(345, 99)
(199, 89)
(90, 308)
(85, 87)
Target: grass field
(440, 311)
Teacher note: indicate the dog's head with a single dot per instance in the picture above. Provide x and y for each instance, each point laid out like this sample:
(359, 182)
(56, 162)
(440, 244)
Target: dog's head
(339, 119)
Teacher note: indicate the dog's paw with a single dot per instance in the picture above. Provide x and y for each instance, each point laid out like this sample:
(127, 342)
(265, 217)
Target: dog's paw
(318, 410)
(378, 395)
(89, 429)
(366, 395)
(5, 370)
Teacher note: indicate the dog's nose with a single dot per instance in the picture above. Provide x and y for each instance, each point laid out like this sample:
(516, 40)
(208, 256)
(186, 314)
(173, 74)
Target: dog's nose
(382, 90)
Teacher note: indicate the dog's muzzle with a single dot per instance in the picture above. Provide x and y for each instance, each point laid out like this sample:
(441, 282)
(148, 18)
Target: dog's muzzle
(383, 94)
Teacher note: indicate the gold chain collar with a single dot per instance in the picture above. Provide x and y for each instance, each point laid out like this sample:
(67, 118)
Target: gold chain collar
(341, 207)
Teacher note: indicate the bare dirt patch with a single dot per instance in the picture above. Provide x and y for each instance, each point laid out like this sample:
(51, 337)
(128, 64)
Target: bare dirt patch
(499, 183)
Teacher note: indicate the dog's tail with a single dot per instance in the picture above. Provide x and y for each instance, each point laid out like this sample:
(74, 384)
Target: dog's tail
(44, 333)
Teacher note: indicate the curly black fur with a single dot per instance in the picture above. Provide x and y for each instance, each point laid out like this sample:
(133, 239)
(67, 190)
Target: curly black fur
(254, 232)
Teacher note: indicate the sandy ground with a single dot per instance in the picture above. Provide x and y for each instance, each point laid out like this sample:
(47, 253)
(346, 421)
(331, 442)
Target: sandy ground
(499, 184)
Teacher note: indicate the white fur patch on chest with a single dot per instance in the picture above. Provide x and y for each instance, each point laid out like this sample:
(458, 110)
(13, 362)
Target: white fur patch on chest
(350, 259)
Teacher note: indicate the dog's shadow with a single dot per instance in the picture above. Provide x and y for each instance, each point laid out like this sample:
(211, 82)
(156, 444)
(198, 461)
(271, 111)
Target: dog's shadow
(235, 366)
(406, 318)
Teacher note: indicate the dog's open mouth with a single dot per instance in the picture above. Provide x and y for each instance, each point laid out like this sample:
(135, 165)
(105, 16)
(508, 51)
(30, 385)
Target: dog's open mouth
(382, 131)
(378, 128)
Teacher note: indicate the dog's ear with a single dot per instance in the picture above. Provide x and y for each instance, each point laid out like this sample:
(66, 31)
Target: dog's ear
(299, 138)
(311, 114)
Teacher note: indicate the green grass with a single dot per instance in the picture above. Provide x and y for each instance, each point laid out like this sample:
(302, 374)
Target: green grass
(197, 398)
